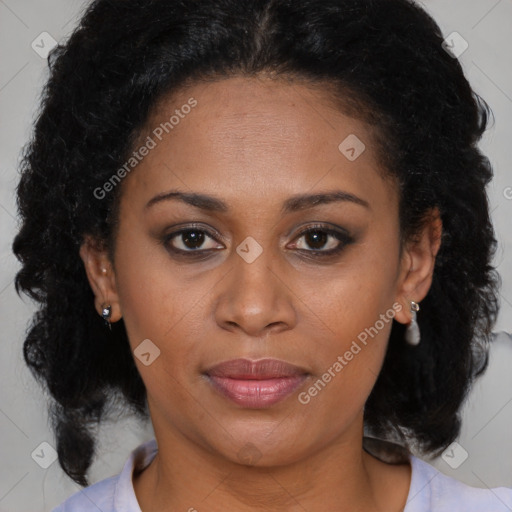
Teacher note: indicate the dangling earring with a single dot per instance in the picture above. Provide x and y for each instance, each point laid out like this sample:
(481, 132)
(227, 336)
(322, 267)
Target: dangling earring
(106, 313)
(412, 333)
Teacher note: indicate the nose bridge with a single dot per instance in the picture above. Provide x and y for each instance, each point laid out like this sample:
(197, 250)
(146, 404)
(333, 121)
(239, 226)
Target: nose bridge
(255, 267)
(258, 250)
(255, 296)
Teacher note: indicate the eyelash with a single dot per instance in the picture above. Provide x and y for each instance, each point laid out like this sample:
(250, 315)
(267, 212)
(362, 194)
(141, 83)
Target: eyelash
(344, 239)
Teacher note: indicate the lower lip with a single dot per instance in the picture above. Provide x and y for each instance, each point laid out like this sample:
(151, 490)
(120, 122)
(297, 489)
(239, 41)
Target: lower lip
(256, 394)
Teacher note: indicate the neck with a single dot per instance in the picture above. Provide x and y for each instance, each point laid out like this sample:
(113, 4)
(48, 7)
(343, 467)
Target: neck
(342, 476)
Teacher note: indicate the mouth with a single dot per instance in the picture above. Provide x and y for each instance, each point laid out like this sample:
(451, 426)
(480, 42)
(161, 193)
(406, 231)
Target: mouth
(256, 384)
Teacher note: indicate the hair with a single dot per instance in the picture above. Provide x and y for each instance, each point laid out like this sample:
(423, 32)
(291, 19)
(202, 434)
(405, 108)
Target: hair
(383, 60)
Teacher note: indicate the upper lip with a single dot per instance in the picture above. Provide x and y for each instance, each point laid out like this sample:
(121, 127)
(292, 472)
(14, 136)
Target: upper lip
(257, 370)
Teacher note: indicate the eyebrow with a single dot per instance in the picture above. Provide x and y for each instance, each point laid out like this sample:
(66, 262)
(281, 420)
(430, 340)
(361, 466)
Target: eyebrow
(292, 204)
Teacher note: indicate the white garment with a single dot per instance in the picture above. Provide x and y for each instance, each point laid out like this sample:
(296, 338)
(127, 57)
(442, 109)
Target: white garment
(430, 490)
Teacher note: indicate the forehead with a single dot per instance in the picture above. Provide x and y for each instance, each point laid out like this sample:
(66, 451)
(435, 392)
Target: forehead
(256, 136)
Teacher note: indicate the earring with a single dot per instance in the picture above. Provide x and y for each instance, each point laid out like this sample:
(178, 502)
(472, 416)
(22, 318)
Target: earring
(106, 313)
(412, 333)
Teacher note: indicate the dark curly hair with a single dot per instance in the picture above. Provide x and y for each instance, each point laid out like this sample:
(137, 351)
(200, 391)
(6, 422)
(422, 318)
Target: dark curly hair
(382, 60)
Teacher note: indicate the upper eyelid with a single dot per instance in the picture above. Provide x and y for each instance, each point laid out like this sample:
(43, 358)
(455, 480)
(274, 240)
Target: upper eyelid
(213, 233)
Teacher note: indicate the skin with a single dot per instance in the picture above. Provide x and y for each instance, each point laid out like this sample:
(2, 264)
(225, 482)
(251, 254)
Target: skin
(254, 143)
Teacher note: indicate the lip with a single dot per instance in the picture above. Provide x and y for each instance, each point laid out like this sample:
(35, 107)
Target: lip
(256, 384)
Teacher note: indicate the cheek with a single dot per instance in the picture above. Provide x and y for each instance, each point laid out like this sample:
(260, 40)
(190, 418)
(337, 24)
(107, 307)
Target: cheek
(356, 312)
(157, 309)
(155, 303)
(351, 361)
(352, 297)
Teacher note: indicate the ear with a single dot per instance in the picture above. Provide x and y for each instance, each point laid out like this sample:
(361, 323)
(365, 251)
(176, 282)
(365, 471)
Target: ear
(101, 276)
(417, 265)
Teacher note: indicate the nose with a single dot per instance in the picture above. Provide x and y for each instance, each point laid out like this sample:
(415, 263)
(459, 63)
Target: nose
(257, 297)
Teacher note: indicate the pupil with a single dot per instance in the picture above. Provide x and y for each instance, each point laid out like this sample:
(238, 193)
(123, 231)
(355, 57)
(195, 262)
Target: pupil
(320, 240)
(193, 237)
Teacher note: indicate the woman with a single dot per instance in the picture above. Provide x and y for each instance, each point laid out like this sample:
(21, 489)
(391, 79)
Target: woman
(264, 226)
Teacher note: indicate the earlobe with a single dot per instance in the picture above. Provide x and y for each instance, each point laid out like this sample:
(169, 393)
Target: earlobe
(418, 266)
(412, 334)
(101, 277)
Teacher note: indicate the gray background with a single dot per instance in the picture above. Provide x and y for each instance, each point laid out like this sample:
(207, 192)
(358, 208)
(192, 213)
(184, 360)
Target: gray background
(24, 485)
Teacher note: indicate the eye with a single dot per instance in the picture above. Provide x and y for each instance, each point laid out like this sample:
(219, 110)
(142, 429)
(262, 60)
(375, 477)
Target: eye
(323, 240)
(197, 242)
(190, 240)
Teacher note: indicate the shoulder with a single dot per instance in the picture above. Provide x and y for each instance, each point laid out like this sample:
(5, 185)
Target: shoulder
(434, 491)
(113, 493)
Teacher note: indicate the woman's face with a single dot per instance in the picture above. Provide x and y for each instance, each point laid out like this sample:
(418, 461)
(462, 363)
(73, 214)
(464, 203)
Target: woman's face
(245, 281)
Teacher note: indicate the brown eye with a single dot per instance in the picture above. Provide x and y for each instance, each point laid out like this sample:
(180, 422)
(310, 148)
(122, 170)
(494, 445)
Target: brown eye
(322, 240)
(190, 240)
(318, 240)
